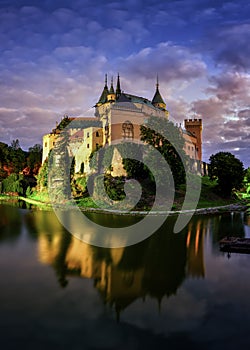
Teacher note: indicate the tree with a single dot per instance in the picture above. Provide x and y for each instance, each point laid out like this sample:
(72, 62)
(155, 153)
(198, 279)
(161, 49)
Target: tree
(3, 153)
(133, 160)
(42, 176)
(16, 156)
(15, 183)
(169, 142)
(248, 175)
(15, 145)
(59, 164)
(3, 160)
(34, 158)
(227, 170)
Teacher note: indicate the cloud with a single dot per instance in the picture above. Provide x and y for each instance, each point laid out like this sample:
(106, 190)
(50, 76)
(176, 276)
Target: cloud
(229, 45)
(172, 62)
(27, 124)
(231, 86)
(54, 55)
(226, 115)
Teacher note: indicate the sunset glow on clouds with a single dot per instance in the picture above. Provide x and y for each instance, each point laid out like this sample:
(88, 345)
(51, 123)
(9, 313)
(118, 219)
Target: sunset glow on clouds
(54, 55)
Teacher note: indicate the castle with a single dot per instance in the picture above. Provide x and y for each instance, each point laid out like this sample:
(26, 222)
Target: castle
(118, 116)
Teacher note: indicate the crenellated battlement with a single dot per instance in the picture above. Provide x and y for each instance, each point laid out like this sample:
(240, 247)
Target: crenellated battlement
(194, 122)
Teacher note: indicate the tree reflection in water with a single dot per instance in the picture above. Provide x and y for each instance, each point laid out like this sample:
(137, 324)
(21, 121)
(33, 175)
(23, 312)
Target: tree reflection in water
(155, 268)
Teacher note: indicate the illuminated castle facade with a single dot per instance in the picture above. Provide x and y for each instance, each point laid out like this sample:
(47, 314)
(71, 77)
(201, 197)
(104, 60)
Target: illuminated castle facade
(118, 116)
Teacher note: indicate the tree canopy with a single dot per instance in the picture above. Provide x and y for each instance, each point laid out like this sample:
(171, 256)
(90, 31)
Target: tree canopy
(248, 175)
(227, 170)
(18, 167)
(169, 142)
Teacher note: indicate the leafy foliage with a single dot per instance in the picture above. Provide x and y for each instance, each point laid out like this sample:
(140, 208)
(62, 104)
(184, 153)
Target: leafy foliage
(247, 175)
(16, 156)
(34, 158)
(79, 185)
(42, 176)
(14, 160)
(64, 122)
(227, 170)
(59, 169)
(15, 183)
(172, 151)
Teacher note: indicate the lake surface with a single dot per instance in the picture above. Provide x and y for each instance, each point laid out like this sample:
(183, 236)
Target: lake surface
(170, 291)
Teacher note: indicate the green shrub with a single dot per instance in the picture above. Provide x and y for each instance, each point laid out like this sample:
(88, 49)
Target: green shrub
(15, 183)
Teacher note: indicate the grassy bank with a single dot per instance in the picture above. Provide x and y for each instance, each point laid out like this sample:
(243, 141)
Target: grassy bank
(208, 199)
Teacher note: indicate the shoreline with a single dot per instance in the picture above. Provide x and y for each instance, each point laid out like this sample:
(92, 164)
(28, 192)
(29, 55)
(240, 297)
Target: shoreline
(200, 211)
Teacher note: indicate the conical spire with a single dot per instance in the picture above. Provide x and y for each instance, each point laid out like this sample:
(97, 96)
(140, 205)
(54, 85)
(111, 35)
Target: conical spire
(111, 94)
(118, 87)
(157, 99)
(111, 90)
(105, 92)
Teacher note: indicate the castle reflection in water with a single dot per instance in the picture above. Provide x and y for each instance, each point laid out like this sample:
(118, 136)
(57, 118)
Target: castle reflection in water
(154, 268)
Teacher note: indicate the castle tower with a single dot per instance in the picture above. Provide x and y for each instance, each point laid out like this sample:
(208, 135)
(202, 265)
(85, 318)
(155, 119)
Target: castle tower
(157, 100)
(111, 95)
(105, 92)
(195, 127)
(118, 88)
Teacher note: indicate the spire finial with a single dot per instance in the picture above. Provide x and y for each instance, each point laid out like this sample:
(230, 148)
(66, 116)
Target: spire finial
(111, 90)
(157, 99)
(118, 87)
(105, 92)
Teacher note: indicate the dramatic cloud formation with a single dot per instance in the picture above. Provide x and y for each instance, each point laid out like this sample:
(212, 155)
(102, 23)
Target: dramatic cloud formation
(54, 55)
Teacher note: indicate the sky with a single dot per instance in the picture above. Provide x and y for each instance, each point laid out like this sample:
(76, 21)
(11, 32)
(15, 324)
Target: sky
(55, 53)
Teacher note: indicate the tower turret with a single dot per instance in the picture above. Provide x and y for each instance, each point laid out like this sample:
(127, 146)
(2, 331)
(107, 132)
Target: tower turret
(195, 127)
(105, 92)
(157, 100)
(111, 95)
(118, 87)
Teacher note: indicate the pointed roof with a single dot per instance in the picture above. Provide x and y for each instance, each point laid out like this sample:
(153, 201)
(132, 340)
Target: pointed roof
(123, 98)
(157, 97)
(118, 87)
(111, 90)
(105, 92)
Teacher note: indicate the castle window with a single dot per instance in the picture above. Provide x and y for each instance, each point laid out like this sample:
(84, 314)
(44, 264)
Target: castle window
(53, 143)
(45, 145)
(88, 145)
(97, 134)
(127, 130)
(87, 134)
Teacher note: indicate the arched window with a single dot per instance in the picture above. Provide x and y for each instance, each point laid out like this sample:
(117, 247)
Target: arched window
(127, 130)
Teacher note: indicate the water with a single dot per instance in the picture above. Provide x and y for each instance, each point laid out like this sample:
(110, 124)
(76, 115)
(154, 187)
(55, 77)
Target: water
(171, 291)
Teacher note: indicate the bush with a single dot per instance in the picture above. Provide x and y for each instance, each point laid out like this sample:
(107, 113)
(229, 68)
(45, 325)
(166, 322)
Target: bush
(28, 191)
(42, 176)
(15, 183)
